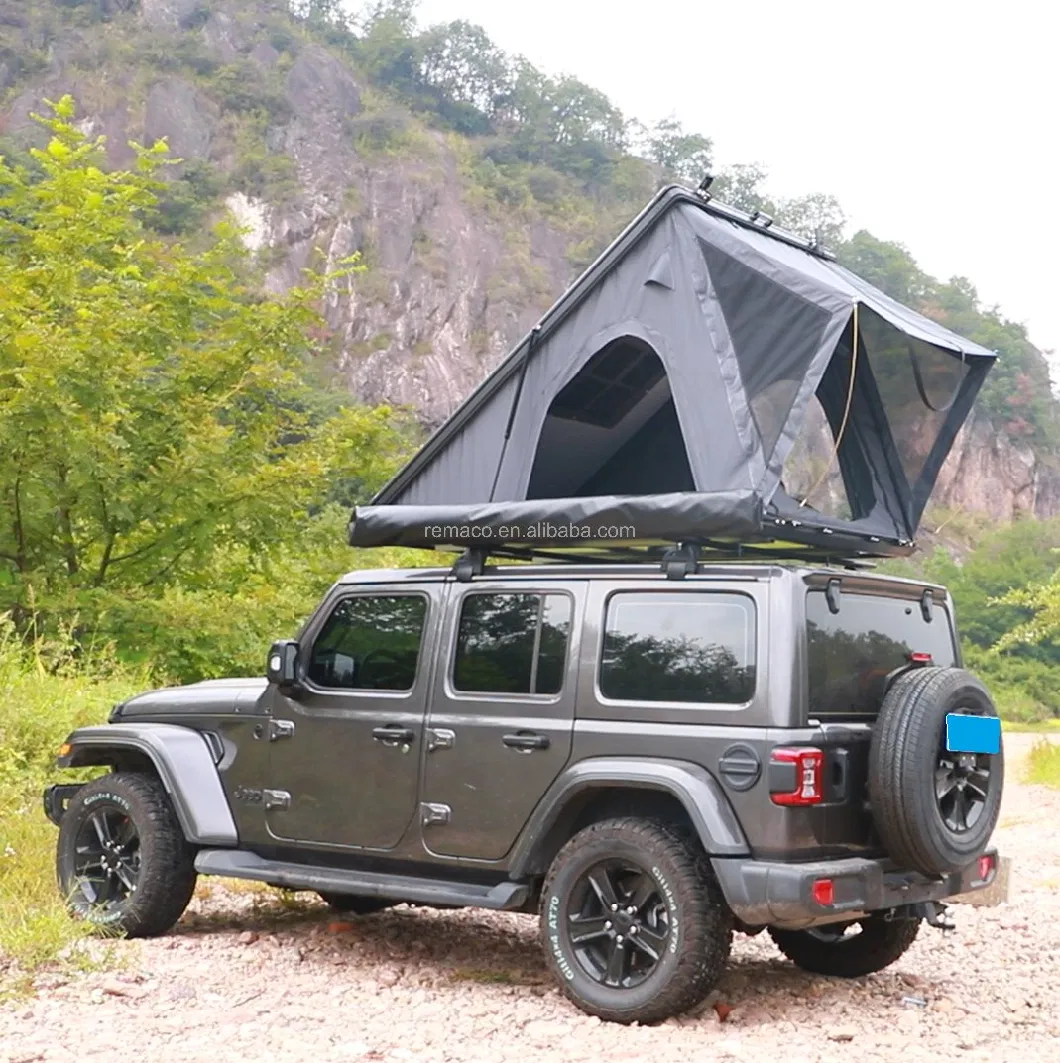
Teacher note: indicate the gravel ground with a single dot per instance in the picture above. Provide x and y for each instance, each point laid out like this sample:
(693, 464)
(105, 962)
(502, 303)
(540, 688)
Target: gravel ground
(242, 979)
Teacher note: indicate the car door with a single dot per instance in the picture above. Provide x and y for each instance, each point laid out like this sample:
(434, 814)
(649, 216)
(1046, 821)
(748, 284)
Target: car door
(344, 763)
(501, 715)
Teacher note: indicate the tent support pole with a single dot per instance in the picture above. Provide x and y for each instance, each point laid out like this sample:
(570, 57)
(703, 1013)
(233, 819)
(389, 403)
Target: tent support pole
(530, 345)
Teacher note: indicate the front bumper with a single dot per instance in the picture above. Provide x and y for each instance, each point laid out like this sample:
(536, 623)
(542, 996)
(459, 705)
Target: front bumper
(57, 799)
(762, 893)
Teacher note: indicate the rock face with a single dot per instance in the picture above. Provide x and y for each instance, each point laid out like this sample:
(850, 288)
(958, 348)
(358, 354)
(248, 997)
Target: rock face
(454, 279)
(988, 473)
(177, 111)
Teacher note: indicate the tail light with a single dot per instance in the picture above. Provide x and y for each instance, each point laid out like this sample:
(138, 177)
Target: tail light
(921, 659)
(823, 892)
(804, 786)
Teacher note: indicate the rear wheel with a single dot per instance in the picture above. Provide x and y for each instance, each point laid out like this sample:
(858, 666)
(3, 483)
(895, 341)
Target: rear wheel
(351, 904)
(122, 859)
(848, 950)
(633, 924)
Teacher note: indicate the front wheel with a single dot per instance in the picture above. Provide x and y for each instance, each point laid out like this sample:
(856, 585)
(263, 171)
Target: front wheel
(633, 924)
(122, 860)
(848, 950)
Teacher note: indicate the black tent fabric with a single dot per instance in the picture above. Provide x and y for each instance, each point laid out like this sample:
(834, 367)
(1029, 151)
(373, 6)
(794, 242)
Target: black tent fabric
(660, 399)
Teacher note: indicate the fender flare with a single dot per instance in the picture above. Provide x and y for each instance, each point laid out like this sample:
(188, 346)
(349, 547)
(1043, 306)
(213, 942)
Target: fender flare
(184, 762)
(697, 790)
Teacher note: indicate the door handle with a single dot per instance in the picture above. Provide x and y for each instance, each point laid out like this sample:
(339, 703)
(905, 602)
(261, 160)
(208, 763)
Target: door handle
(280, 729)
(526, 741)
(439, 738)
(393, 735)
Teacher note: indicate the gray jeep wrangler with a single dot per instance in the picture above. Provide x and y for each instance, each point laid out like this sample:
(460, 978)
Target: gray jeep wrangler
(651, 756)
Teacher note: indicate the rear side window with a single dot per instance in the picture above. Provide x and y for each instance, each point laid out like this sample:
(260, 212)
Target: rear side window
(512, 643)
(852, 652)
(691, 646)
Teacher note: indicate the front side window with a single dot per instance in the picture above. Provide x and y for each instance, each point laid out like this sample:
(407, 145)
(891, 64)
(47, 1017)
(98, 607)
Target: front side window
(512, 643)
(694, 647)
(370, 642)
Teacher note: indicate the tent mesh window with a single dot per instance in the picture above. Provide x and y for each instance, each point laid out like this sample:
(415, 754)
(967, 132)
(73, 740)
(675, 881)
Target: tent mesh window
(812, 472)
(612, 429)
(827, 469)
(774, 333)
(917, 384)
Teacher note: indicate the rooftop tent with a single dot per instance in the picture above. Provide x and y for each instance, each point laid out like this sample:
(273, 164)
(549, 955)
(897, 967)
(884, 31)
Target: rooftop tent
(708, 379)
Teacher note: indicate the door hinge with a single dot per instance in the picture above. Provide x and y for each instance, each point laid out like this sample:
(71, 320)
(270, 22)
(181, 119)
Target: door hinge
(439, 738)
(276, 799)
(432, 813)
(280, 729)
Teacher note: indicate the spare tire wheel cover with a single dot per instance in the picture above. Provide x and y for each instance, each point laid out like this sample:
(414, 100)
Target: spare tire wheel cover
(934, 810)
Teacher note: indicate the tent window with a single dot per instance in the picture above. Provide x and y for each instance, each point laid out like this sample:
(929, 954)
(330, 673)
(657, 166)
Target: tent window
(610, 385)
(827, 468)
(775, 333)
(917, 383)
(811, 472)
(612, 430)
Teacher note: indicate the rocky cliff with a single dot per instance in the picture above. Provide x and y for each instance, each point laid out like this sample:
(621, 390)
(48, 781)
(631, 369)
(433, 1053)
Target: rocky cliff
(317, 164)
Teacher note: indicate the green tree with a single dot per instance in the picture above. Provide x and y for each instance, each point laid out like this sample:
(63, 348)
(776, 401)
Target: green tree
(684, 156)
(887, 265)
(1042, 629)
(741, 186)
(468, 71)
(153, 405)
(815, 217)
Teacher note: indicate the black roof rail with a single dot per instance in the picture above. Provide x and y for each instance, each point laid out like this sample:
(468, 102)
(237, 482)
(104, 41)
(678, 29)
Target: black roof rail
(675, 559)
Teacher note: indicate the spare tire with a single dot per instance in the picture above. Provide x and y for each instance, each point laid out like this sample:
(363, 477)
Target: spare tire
(934, 810)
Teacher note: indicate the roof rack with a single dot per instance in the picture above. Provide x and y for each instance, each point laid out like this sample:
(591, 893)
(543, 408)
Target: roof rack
(676, 560)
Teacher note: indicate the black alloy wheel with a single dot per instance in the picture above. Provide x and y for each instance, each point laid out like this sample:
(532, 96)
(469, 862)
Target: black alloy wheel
(962, 787)
(106, 858)
(618, 923)
(121, 859)
(634, 926)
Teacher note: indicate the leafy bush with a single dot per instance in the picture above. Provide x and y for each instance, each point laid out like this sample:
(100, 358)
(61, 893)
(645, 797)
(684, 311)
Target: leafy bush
(46, 690)
(1043, 765)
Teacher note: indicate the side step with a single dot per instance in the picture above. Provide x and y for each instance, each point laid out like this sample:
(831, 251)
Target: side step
(233, 863)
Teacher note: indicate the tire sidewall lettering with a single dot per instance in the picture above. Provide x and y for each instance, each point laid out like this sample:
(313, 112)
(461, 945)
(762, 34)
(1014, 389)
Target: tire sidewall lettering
(671, 909)
(552, 919)
(114, 799)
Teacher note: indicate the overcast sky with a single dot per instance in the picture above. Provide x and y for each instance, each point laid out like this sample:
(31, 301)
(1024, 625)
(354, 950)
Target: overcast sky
(935, 124)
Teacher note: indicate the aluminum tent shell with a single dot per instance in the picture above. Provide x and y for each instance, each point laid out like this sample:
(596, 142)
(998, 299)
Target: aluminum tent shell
(663, 393)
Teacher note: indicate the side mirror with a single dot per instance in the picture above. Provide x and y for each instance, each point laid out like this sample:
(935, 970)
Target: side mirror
(283, 663)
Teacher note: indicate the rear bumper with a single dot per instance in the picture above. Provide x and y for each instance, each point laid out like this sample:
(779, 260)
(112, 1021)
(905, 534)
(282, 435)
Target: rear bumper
(761, 893)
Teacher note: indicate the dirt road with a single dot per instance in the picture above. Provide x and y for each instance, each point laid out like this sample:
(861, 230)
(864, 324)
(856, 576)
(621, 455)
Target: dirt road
(246, 979)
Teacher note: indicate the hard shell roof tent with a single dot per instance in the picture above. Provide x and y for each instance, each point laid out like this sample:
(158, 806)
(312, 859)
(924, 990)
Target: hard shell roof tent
(677, 392)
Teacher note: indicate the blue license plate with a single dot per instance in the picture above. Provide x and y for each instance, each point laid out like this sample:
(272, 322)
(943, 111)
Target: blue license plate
(973, 734)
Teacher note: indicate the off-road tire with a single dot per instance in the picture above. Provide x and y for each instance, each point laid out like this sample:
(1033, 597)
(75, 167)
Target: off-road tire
(878, 944)
(700, 921)
(351, 904)
(902, 762)
(167, 875)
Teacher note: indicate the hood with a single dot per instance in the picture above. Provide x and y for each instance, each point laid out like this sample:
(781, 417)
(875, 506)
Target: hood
(208, 697)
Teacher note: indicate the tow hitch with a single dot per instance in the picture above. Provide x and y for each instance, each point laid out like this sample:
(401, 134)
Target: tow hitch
(933, 913)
